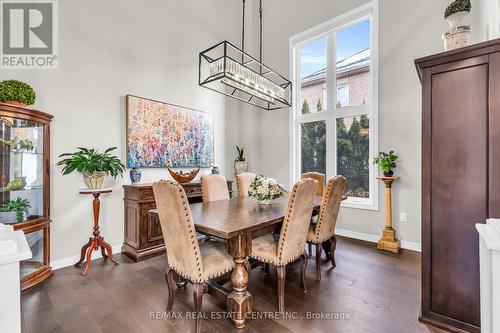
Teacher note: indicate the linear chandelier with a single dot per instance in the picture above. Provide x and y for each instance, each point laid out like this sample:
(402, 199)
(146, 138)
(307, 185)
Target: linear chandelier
(228, 70)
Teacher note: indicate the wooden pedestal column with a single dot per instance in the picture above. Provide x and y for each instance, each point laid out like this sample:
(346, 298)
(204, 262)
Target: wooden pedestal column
(388, 242)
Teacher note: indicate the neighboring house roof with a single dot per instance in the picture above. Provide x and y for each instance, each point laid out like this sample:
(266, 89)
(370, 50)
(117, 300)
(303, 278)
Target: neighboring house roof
(350, 64)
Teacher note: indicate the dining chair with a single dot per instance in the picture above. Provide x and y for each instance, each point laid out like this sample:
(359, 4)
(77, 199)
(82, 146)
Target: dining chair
(319, 177)
(243, 182)
(323, 230)
(214, 187)
(196, 263)
(292, 239)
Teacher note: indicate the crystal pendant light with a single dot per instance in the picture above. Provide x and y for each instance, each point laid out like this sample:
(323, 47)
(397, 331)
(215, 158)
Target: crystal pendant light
(246, 78)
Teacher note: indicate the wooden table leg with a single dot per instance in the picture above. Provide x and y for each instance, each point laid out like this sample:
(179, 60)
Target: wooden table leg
(84, 251)
(239, 301)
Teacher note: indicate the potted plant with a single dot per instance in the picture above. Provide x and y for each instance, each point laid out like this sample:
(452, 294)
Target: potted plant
(240, 165)
(386, 162)
(93, 165)
(16, 93)
(456, 12)
(13, 211)
(265, 190)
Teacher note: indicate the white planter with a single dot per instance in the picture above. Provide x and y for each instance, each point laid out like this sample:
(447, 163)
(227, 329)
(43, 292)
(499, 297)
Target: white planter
(264, 202)
(456, 38)
(8, 217)
(455, 20)
(240, 167)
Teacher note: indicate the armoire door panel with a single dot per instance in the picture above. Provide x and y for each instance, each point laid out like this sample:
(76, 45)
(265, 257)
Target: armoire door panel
(459, 181)
(494, 136)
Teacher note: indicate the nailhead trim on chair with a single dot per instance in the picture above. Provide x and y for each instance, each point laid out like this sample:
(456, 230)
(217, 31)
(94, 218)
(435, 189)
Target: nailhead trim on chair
(277, 263)
(192, 232)
(324, 203)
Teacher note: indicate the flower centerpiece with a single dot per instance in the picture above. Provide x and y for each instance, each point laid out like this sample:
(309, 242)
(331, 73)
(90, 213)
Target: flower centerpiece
(266, 189)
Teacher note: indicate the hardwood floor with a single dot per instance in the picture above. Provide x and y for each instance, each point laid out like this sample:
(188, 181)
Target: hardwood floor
(379, 291)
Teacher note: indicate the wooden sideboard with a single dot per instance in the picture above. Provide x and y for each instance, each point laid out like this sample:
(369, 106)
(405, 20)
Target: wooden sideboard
(143, 236)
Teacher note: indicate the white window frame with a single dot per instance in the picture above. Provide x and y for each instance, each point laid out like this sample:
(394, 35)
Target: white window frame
(346, 86)
(330, 114)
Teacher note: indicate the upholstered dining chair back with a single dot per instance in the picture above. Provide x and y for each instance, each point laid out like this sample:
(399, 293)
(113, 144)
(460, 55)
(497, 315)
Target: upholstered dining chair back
(296, 223)
(330, 205)
(214, 187)
(183, 250)
(243, 182)
(319, 177)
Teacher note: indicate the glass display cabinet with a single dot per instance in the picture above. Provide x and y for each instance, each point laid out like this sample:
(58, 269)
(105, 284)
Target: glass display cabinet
(25, 184)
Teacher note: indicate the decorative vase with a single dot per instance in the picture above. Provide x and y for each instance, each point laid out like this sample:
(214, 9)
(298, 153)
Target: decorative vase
(215, 170)
(240, 167)
(135, 175)
(265, 202)
(456, 38)
(94, 180)
(455, 20)
(15, 103)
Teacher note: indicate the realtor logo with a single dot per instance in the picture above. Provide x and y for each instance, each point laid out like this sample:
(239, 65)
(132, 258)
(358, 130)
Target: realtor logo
(29, 34)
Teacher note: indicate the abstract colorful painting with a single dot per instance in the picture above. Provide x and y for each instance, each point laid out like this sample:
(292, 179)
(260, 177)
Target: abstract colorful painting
(161, 135)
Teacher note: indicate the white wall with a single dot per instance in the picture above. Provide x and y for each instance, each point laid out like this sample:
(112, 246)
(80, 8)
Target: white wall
(487, 19)
(109, 49)
(404, 35)
(150, 48)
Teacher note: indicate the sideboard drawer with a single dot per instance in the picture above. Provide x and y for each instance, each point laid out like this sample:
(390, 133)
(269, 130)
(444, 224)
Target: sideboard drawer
(146, 194)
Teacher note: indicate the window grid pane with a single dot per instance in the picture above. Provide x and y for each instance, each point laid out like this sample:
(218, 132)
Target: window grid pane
(313, 147)
(353, 154)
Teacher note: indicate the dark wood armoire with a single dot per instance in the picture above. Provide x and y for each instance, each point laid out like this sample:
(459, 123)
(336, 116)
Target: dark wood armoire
(460, 178)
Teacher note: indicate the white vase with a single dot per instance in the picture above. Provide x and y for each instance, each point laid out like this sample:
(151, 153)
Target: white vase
(456, 38)
(455, 20)
(264, 202)
(10, 217)
(240, 167)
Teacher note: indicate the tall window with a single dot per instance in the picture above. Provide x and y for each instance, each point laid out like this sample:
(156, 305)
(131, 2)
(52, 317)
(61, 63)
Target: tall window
(335, 109)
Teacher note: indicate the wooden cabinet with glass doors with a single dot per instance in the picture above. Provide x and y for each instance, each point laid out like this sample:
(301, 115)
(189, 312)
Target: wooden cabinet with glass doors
(24, 184)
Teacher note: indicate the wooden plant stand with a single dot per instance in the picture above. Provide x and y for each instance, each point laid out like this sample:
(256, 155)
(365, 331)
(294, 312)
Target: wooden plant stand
(388, 242)
(97, 241)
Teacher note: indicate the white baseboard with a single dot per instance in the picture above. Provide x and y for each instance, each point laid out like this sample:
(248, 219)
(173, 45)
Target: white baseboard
(70, 261)
(374, 239)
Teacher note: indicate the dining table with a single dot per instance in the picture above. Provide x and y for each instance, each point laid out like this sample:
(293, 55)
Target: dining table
(238, 221)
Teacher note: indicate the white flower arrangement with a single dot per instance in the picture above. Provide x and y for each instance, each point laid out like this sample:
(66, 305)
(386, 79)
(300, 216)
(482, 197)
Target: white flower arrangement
(266, 189)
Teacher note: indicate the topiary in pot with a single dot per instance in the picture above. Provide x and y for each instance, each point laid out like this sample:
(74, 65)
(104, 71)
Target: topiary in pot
(16, 93)
(456, 12)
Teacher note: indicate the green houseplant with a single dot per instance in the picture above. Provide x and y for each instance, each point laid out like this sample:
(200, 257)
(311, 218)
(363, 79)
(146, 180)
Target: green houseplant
(240, 164)
(94, 166)
(16, 93)
(12, 211)
(386, 162)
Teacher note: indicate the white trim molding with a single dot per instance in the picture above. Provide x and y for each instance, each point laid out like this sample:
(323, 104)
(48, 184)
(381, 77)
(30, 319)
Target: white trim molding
(330, 115)
(70, 261)
(374, 239)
